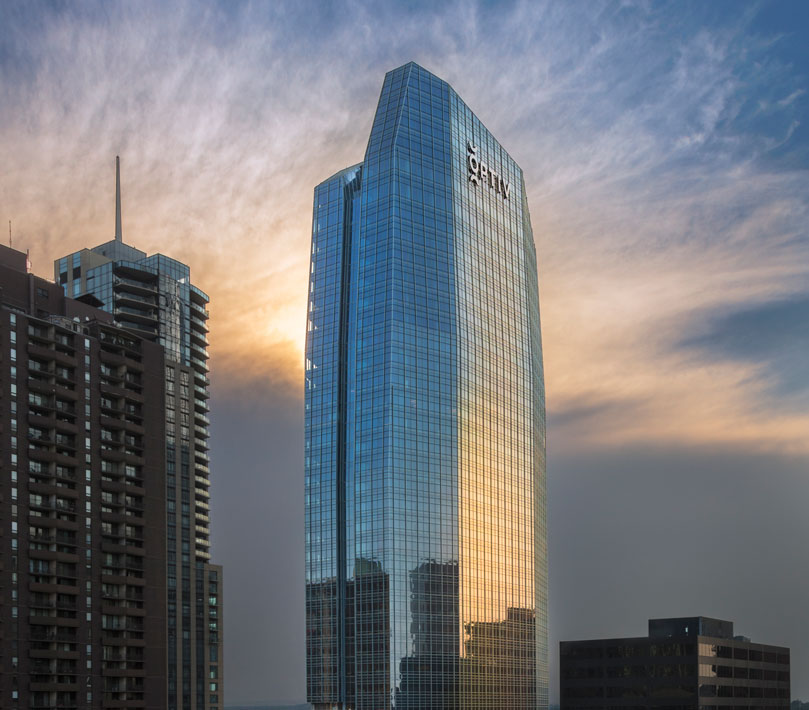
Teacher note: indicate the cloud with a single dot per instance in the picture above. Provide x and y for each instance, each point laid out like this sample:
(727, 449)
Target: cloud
(666, 157)
(789, 99)
(649, 195)
(774, 336)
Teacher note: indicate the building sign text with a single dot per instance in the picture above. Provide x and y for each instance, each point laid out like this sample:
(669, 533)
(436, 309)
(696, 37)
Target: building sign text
(480, 172)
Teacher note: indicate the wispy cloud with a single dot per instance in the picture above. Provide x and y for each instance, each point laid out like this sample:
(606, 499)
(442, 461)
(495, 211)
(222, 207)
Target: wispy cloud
(783, 103)
(773, 336)
(654, 184)
(667, 158)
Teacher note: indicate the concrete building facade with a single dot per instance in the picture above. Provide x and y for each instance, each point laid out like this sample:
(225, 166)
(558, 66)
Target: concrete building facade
(82, 503)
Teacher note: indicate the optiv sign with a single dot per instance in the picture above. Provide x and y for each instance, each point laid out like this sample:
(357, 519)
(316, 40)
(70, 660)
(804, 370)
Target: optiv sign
(481, 172)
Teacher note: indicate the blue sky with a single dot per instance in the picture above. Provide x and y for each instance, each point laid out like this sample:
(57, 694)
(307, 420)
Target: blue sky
(666, 153)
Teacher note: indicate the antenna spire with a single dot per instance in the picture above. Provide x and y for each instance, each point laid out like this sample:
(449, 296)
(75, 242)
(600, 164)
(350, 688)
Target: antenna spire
(118, 235)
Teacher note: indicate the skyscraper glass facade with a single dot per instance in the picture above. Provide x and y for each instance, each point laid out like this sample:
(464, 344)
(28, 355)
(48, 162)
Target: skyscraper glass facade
(426, 565)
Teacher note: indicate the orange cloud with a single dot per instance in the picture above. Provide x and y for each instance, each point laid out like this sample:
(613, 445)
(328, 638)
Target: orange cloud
(221, 148)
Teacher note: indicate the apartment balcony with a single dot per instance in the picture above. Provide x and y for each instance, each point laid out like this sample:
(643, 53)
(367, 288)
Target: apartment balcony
(40, 386)
(199, 311)
(52, 653)
(117, 341)
(140, 316)
(201, 488)
(198, 295)
(111, 359)
(200, 366)
(202, 418)
(198, 338)
(43, 352)
(125, 296)
(52, 621)
(140, 328)
(115, 390)
(141, 286)
(50, 489)
(199, 351)
(198, 323)
(53, 687)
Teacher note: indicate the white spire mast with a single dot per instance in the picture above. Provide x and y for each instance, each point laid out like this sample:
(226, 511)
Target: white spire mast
(118, 234)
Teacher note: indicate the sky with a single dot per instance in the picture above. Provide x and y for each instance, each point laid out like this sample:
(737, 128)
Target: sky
(665, 148)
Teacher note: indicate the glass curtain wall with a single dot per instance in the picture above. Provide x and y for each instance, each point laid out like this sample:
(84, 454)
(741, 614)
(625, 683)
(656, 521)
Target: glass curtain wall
(425, 473)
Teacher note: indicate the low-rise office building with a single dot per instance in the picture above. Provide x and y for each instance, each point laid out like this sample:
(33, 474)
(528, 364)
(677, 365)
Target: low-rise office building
(683, 663)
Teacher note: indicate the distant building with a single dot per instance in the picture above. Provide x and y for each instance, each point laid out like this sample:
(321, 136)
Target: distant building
(688, 663)
(82, 503)
(153, 297)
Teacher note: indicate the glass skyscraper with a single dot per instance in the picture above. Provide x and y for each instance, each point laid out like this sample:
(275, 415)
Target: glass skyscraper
(426, 562)
(153, 296)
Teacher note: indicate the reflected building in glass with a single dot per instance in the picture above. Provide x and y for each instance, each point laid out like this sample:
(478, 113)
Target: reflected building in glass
(426, 564)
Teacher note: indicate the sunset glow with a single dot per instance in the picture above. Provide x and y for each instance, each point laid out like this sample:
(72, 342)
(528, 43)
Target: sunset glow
(666, 155)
